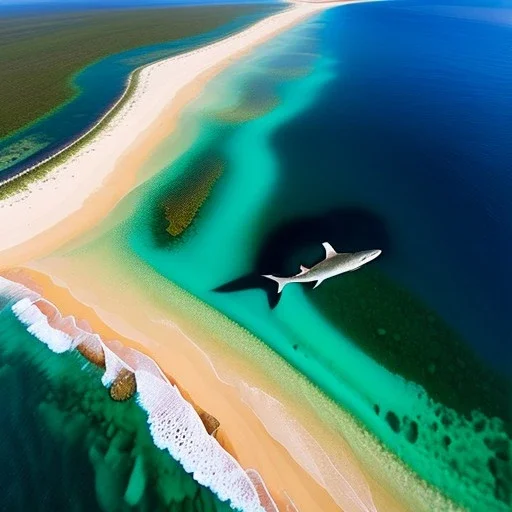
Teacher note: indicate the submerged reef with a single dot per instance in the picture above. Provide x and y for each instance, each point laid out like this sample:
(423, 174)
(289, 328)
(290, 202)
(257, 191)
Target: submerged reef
(182, 203)
(253, 103)
(476, 451)
(175, 426)
(403, 335)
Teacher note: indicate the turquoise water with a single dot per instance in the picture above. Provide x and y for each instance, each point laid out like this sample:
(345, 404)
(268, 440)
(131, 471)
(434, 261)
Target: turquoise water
(444, 433)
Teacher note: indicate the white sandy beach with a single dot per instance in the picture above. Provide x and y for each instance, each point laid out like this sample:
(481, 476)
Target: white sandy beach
(161, 87)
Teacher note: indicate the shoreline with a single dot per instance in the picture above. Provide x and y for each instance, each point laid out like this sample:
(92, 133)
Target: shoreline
(280, 473)
(73, 146)
(101, 171)
(304, 447)
(162, 400)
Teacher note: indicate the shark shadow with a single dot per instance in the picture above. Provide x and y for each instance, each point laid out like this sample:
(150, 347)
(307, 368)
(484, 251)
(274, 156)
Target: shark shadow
(299, 242)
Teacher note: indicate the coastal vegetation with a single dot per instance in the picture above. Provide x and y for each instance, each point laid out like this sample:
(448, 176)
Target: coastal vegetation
(21, 181)
(43, 49)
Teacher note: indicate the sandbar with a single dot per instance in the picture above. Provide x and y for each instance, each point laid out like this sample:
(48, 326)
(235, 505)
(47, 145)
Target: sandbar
(80, 190)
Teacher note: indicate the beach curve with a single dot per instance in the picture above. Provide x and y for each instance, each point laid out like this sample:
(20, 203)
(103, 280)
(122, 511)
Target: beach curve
(92, 179)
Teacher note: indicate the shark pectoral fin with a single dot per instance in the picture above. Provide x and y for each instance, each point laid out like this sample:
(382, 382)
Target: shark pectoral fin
(329, 251)
(318, 283)
(304, 269)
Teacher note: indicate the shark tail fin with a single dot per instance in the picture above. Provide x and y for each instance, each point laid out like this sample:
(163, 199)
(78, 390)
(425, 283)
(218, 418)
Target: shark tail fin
(281, 282)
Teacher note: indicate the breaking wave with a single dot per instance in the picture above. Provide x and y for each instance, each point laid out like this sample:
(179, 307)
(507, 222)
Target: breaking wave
(175, 425)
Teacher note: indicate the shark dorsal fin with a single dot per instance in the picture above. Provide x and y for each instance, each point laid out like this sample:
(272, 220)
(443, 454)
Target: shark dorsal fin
(304, 269)
(329, 251)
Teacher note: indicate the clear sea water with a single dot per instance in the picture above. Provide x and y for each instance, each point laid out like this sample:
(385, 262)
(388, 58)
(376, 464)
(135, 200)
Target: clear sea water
(380, 125)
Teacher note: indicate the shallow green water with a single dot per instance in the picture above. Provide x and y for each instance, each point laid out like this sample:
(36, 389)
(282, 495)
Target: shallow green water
(66, 445)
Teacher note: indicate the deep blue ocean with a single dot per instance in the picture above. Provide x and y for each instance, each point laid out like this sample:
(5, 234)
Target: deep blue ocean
(420, 115)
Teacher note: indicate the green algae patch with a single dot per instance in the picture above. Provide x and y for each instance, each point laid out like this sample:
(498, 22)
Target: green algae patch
(23, 148)
(181, 206)
(249, 111)
(400, 333)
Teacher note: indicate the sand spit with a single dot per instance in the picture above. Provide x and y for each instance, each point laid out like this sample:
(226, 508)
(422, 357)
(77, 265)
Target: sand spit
(175, 426)
(311, 465)
(86, 177)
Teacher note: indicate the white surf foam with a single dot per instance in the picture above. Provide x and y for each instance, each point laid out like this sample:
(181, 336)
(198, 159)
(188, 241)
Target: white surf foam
(176, 427)
(174, 424)
(37, 324)
(113, 365)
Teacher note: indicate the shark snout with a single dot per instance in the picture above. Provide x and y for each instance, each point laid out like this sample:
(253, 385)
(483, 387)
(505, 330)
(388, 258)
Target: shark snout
(367, 256)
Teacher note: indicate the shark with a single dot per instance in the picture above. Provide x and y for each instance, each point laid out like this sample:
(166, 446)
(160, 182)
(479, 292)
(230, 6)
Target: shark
(334, 264)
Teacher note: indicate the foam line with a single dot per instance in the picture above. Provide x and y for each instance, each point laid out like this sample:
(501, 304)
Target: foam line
(174, 424)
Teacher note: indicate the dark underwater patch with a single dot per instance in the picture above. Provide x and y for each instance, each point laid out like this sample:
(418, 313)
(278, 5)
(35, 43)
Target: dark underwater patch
(383, 319)
(177, 205)
(299, 242)
(402, 334)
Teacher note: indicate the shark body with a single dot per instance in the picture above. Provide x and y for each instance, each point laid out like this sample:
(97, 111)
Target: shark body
(334, 264)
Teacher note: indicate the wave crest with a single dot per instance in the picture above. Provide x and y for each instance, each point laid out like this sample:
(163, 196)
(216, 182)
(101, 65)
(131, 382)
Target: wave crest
(175, 424)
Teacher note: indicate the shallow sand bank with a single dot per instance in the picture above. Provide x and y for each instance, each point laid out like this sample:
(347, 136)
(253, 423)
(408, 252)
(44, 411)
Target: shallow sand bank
(241, 432)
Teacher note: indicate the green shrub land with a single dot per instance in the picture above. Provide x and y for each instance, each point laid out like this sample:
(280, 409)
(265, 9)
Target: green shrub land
(21, 181)
(42, 50)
